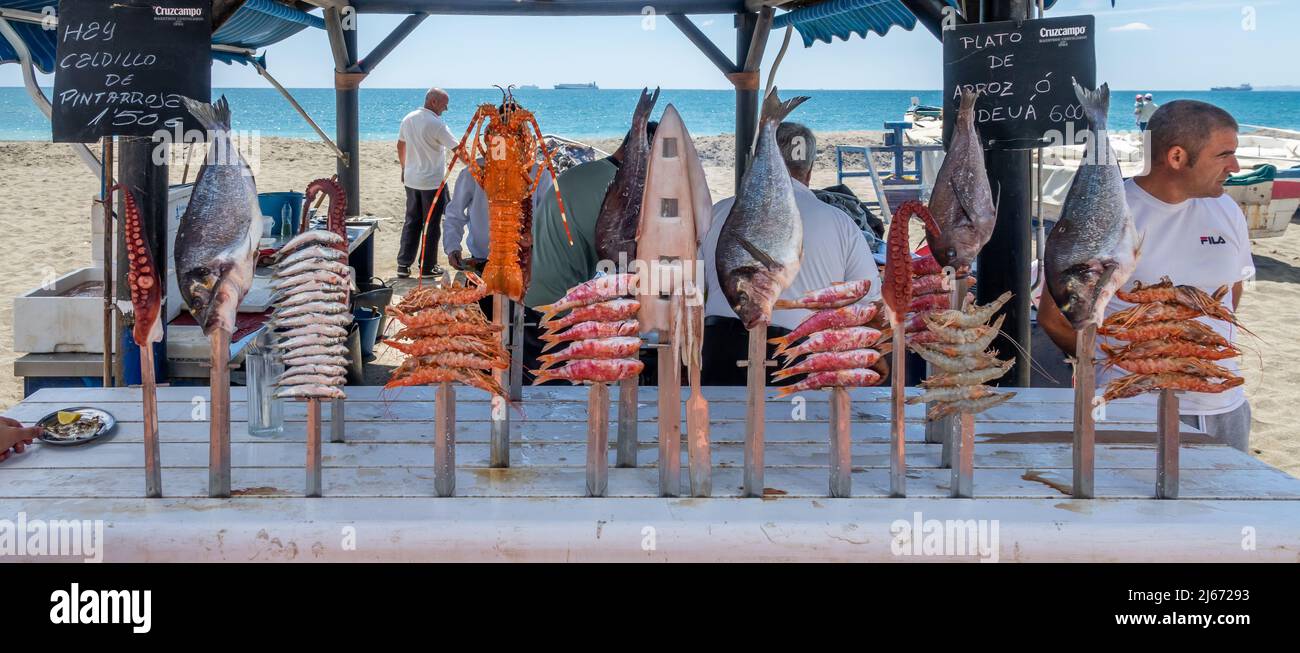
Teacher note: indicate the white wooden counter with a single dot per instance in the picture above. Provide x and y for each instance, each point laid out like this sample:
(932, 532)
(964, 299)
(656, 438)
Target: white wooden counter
(380, 482)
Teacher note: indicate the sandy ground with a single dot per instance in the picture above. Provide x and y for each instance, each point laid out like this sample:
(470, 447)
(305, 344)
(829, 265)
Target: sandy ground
(47, 195)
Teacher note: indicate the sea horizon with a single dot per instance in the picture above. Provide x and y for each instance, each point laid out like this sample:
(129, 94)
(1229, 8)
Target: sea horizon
(606, 112)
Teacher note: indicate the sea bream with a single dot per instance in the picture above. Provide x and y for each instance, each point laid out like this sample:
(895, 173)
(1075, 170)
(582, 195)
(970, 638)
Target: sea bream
(962, 201)
(216, 243)
(1093, 249)
(761, 241)
(620, 211)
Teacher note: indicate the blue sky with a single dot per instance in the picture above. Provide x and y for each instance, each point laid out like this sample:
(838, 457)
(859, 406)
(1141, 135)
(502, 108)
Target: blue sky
(1150, 44)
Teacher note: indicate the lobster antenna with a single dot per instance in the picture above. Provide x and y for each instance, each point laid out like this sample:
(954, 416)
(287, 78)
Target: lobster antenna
(503, 93)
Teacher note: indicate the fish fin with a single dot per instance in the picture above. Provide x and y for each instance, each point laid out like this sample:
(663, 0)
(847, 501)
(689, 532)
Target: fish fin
(215, 117)
(775, 110)
(548, 312)
(761, 256)
(1095, 104)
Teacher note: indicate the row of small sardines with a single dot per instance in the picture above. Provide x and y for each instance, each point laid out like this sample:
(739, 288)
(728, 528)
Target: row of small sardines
(447, 338)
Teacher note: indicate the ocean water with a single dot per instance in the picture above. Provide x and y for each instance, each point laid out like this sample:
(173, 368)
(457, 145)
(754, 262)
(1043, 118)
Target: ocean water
(607, 112)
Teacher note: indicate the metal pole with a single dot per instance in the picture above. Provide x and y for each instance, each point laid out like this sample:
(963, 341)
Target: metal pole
(313, 448)
(1167, 431)
(219, 425)
(106, 203)
(897, 423)
(746, 98)
(347, 99)
(670, 420)
(1003, 264)
(1085, 386)
(500, 437)
(444, 441)
(627, 428)
(149, 402)
(756, 388)
(598, 440)
(841, 471)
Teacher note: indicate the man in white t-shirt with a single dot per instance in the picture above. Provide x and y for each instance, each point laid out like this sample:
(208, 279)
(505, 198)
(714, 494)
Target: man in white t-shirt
(1191, 232)
(834, 250)
(423, 142)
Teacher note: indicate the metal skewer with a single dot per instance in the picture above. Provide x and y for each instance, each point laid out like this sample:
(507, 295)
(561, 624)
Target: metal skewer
(1085, 386)
(1167, 432)
(841, 470)
(756, 388)
(149, 399)
(897, 426)
(444, 440)
(500, 445)
(219, 422)
(598, 440)
(313, 448)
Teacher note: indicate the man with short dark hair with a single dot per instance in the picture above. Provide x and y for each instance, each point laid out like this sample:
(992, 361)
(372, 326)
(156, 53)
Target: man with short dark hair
(1191, 232)
(423, 142)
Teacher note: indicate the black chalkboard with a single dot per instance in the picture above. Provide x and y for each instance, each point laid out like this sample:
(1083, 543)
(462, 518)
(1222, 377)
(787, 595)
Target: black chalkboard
(122, 65)
(1024, 71)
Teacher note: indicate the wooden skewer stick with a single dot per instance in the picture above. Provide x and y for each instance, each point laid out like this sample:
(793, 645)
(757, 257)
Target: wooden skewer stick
(444, 440)
(897, 425)
(697, 424)
(962, 485)
(149, 399)
(756, 388)
(338, 419)
(500, 438)
(627, 415)
(1167, 432)
(670, 417)
(313, 448)
(947, 429)
(517, 353)
(841, 471)
(219, 413)
(1085, 387)
(598, 440)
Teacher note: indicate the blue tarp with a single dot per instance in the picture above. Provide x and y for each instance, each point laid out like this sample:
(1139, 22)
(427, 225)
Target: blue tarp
(257, 24)
(843, 18)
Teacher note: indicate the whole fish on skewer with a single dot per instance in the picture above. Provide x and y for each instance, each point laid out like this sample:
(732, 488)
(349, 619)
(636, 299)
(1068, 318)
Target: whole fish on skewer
(590, 330)
(620, 211)
(831, 318)
(622, 347)
(962, 200)
(600, 289)
(835, 296)
(835, 340)
(605, 370)
(314, 252)
(613, 310)
(324, 330)
(308, 319)
(830, 361)
(309, 238)
(850, 378)
(325, 277)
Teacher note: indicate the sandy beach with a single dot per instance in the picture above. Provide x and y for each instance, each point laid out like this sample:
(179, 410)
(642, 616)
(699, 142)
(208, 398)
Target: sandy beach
(47, 231)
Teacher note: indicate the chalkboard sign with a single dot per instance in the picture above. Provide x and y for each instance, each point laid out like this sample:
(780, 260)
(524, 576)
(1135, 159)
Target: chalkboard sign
(1023, 72)
(122, 65)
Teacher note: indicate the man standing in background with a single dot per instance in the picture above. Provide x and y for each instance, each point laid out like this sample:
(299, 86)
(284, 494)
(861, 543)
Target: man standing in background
(422, 145)
(1145, 112)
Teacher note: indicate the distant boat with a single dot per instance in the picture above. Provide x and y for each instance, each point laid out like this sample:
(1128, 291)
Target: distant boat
(591, 85)
(1243, 87)
(528, 87)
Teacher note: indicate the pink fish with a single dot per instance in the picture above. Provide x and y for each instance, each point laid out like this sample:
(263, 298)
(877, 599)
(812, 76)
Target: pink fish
(595, 370)
(830, 361)
(854, 378)
(934, 283)
(610, 311)
(835, 296)
(831, 318)
(623, 347)
(592, 330)
(835, 340)
(934, 302)
(590, 292)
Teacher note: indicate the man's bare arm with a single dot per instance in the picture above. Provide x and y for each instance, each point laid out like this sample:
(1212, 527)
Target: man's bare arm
(401, 157)
(1055, 325)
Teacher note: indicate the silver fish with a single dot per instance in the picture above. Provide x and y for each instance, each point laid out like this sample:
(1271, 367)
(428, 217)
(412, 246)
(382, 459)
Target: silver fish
(962, 201)
(311, 379)
(216, 242)
(309, 238)
(327, 308)
(315, 276)
(323, 370)
(300, 298)
(312, 252)
(309, 265)
(306, 341)
(328, 330)
(1093, 249)
(314, 361)
(620, 211)
(308, 286)
(336, 319)
(315, 350)
(761, 241)
(310, 392)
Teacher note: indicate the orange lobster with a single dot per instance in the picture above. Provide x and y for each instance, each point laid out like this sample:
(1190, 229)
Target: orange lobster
(508, 147)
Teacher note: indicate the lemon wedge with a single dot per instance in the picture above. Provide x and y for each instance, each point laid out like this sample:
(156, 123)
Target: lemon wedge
(67, 417)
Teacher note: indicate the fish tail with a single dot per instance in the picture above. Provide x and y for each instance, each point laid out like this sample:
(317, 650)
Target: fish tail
(547, 361)
(548, 312)
(551, 343)
(1095, 104)
(966, 110)
(542, 376)
(781, 375)
(215, 117)
(782, 343)
(786, 390)
(775, 110)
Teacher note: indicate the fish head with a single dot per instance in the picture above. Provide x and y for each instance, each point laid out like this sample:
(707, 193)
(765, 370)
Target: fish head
(203, 291)
(752, 293)
(1077, 293)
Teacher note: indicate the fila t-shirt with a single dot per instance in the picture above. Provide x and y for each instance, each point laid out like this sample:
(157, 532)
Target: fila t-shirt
(1200, 242)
